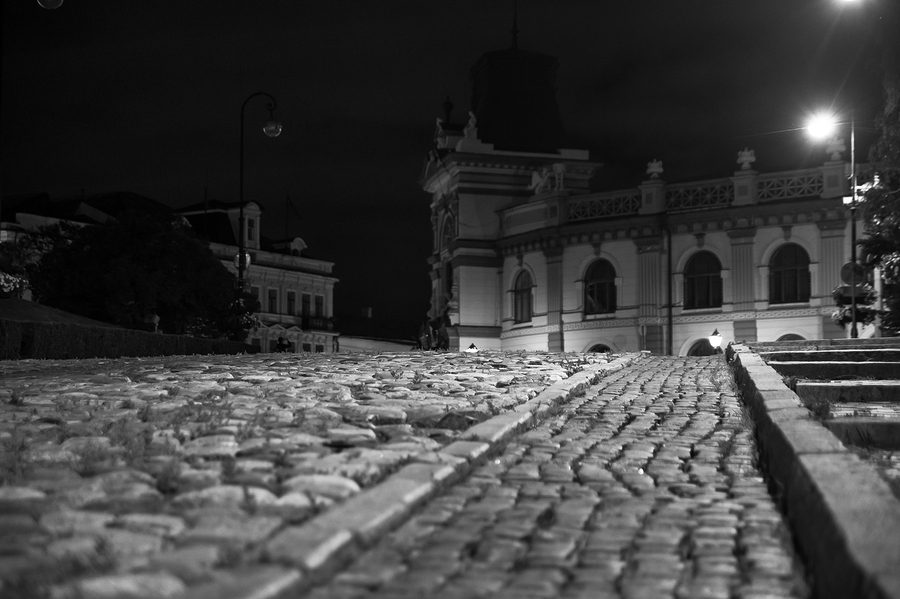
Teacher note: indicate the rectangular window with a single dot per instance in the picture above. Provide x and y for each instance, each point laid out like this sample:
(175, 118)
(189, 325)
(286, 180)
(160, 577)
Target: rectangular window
(273, 301)
(304, 304)
(254, 291)
(251, 229)
(307, 347)
(319, 348)
(320, 305)
(291, 303)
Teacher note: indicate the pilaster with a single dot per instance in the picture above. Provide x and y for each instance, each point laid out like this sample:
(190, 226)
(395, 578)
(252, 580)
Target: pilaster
(831, 239)
(743, 291)
(554, 257)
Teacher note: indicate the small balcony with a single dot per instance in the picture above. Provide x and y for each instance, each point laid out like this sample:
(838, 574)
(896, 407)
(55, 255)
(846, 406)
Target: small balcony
(317, 323)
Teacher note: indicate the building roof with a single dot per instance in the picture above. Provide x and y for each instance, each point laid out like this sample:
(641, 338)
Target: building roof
(93, 209)
(213, 226)
(514, 101)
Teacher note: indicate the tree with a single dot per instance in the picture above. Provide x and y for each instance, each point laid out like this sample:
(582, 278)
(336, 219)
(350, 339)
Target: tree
(881, 247)
(141, 265)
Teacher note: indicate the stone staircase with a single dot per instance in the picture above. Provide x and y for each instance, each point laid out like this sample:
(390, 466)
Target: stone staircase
(853, 385)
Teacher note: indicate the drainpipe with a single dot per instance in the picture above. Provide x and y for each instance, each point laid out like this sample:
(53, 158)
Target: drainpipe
(669, 321)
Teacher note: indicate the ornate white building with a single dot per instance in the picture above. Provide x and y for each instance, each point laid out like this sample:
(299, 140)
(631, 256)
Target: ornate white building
(295, 292)
(527, 257)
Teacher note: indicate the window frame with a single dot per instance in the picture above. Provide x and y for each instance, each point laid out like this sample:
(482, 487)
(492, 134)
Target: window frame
(706, 283)
(795, 275)
(523, 304)
(600, 291)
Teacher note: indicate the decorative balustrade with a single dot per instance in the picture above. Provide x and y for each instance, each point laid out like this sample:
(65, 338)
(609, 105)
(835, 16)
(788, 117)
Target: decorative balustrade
(603, 206)
(784, 186)
(693, 196)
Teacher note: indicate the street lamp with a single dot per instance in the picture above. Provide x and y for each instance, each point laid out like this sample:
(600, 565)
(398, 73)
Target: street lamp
(715, 340)
(823, 126)
(272, 128)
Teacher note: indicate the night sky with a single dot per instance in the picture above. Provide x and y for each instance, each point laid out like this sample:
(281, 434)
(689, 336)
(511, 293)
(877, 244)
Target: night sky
(145, 95)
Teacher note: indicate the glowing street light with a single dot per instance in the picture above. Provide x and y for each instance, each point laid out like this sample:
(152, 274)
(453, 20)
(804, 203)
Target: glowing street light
(272, 128)
(715, 340)
(823, 126)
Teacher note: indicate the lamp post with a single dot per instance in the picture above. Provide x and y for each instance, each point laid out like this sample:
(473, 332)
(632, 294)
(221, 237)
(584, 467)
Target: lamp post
(272, 128)
(822, 126)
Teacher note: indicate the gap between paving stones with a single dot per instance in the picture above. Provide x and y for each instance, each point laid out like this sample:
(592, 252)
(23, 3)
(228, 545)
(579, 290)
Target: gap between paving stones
(843, 514)
(313, 551)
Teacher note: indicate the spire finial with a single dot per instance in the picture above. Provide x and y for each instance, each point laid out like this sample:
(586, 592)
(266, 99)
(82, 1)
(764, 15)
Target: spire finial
(515, 26)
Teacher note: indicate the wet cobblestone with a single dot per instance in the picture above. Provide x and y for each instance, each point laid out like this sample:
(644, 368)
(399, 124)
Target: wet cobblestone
(151, 477)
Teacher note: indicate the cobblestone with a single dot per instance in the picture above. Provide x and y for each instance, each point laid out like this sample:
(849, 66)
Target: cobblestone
(645, 487)
(188, 470)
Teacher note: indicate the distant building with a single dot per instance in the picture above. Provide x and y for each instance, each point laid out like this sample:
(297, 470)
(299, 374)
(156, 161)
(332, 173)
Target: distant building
(295, 292)
(527, 256)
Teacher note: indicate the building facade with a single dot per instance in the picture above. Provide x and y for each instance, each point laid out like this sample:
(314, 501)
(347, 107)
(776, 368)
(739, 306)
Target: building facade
(522, 261)
(527, 256)
(295, 292)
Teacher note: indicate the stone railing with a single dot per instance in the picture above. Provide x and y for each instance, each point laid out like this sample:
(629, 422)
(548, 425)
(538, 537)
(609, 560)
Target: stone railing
(787, 185)
(616, 203)
(699, 196)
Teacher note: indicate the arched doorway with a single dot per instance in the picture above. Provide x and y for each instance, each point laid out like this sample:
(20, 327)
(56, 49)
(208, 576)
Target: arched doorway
(600, 348)
(701, 348)
(791, 337)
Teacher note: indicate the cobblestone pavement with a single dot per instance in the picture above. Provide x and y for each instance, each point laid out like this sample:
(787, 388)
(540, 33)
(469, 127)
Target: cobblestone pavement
(148, 477)
(644, 487)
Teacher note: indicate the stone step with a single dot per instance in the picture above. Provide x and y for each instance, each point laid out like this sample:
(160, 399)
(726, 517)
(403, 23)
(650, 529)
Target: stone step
(835, 355)
(848, 391)
(821, 344)
(825, 370)
(866, 431)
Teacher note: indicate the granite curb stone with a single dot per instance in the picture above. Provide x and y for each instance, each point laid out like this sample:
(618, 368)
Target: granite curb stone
(843, 514)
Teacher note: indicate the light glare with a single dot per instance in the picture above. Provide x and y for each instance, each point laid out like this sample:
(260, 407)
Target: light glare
(821, 126)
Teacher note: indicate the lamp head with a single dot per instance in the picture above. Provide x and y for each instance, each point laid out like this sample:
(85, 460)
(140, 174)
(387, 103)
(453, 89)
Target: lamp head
(715, 339)
(272, 128)
(821, 125)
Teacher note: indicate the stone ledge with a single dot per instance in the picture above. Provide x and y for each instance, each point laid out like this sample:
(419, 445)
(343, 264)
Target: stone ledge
(843, 515)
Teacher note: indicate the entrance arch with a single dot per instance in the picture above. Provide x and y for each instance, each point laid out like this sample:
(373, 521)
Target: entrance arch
(701, 347)
(791, 337)
(600, 348)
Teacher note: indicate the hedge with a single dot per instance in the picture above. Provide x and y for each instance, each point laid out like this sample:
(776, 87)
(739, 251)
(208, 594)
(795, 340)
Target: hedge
(21, 340)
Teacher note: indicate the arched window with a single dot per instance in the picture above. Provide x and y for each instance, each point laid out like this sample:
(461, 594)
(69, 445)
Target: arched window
(600, 348)
(789, 275)
(703, 282)
(522, 297)
(600, 288)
